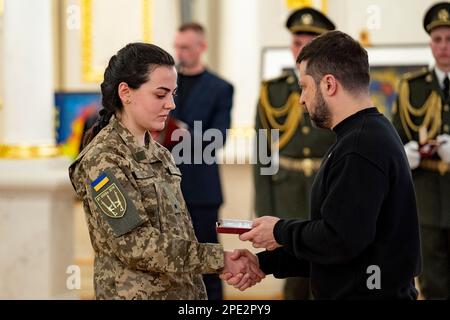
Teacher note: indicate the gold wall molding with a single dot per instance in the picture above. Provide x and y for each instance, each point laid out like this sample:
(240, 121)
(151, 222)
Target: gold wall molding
(296, 4)
(28, 151)
(88, 71)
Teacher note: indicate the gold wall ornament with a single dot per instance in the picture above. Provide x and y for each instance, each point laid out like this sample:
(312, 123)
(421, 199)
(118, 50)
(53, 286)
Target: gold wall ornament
(364, 38)
(88, 72)
(146, 21)
(321, 5)
(29, 151)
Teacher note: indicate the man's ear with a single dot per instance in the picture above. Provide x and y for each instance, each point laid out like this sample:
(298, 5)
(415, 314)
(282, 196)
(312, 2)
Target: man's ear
(329, 85)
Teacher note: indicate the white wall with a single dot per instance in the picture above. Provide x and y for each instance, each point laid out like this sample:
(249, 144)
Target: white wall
(400, 21)
(240, 50)
(1, 78)
(114, 24)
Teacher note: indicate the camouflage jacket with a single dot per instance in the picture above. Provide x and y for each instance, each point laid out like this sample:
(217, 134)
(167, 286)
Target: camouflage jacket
(140, 229)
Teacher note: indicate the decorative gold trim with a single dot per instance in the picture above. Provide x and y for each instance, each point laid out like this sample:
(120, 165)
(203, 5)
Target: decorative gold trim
(296, 4)
(268, 115)
(88, 72)
(146, 21)
(430, 112)
(324, 6)
(29, 152)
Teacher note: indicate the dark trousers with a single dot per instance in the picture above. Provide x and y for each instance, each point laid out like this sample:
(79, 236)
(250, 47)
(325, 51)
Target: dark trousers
(435, 278)
(297, 288)
(204, 219)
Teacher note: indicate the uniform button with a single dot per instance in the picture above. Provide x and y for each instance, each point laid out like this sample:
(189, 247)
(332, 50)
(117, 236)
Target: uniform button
(446, 108)
(446, 128)
(306, 130)
(306, 152)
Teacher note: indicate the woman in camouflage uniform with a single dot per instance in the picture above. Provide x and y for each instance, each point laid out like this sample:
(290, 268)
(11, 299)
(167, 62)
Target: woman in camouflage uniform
(140, 229)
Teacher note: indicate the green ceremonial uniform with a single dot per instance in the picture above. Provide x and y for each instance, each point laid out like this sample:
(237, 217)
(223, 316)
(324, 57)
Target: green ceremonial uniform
(420, 103)
(301, 146)
(140, 229)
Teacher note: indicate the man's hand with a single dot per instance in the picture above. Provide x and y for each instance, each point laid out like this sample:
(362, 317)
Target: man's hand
(241, 280)
(444, 147)
(261, 234)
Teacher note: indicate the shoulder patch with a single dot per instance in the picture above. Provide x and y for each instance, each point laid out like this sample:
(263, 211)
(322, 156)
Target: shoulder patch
(117, 208)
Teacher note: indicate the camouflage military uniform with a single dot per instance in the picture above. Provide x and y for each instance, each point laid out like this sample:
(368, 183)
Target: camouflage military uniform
(421, 102)
(301, 148)
(140, 229)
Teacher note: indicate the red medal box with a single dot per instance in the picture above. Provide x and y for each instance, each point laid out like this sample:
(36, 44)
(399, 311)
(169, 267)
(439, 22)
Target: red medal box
(428, 149)
(233, 226)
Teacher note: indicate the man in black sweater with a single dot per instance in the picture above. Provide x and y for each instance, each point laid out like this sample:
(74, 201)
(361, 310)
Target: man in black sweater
(362, 241)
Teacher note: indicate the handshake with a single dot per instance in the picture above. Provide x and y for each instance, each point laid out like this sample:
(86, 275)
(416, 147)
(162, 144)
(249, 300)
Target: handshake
(242, 269)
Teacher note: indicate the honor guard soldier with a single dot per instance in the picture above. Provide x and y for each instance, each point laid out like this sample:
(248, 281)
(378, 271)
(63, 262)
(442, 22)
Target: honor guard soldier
(301, 146)
(422, 118)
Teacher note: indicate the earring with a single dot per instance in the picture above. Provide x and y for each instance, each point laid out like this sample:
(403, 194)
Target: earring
(127, 101)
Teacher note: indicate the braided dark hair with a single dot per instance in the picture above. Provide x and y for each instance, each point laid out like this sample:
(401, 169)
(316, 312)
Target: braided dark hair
(133, 65)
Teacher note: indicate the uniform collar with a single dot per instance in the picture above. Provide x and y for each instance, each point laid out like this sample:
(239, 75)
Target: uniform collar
(143, 154)
(440, 75)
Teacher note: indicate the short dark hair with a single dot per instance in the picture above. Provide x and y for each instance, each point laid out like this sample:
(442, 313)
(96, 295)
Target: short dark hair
(338, 54)
(194, 26)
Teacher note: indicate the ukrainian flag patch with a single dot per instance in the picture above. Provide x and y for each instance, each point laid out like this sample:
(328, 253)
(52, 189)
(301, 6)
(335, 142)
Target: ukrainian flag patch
(100, 182)
(113, 204)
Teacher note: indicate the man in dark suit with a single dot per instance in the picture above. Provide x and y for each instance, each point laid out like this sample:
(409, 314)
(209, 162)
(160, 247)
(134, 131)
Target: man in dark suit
(206, 99)
(422, 119)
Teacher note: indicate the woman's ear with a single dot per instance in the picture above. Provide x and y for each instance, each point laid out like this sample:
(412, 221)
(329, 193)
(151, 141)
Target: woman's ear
(124, 92)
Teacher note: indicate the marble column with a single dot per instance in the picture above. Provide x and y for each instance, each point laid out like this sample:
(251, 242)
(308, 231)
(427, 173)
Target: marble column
(36, 199)
(239, 62)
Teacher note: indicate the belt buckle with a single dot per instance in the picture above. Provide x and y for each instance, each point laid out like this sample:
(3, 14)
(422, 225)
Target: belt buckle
(442, 167)
(308, 167)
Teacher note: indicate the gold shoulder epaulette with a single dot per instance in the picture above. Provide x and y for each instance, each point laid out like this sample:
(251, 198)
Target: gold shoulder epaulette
(429, 112)
(415, 74)
(270, 115)
(277, 79)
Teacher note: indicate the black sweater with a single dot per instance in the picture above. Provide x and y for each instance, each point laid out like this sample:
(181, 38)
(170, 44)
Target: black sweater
(363, 213)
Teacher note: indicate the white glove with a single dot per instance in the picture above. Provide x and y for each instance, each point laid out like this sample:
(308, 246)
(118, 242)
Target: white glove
(412, 152)
(444, 148)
